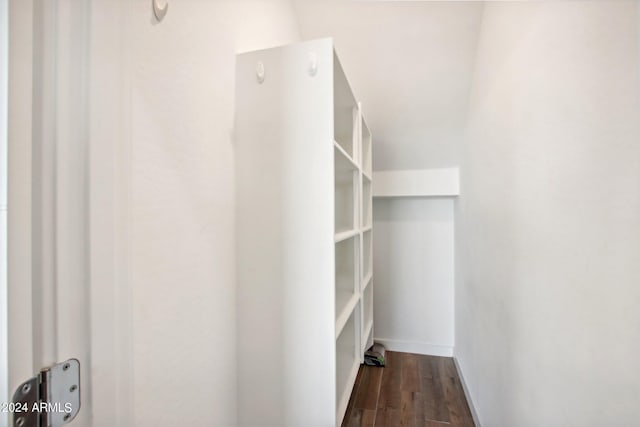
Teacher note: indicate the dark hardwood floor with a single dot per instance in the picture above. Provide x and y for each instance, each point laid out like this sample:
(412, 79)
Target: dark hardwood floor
(411, 391)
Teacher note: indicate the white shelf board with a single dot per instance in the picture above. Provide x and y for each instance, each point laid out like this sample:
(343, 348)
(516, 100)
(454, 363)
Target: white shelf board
(345, 157)
(344, 235)
(442, 182)
(349, 306)
(366, 176)
(367, 280)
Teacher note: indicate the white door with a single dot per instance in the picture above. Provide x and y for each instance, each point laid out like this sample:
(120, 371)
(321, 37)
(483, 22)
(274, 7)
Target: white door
(62, 296)
(120, 205)
(68, 295)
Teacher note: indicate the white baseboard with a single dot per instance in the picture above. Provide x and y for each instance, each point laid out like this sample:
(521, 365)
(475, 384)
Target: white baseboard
(472, 406)
(416, 347)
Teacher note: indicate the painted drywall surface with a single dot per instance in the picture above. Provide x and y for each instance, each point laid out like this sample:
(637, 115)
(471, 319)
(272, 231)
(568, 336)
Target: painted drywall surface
(181, 77)
(410, 64)
(548, 222)
(413, 274)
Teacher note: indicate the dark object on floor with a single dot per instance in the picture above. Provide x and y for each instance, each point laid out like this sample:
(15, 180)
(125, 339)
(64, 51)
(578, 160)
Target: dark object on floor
(411, 391)
(375, 356)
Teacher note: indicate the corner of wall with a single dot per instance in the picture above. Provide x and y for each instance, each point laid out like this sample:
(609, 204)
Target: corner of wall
(467, 392)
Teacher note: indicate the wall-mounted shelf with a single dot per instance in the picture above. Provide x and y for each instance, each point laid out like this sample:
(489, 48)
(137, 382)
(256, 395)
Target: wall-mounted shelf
(442, 182)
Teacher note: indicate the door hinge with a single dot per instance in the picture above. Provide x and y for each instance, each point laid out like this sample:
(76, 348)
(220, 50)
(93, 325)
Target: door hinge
(49, 399)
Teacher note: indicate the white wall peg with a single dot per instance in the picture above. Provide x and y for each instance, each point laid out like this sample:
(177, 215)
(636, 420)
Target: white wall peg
(313, 64)
(260, 72)
(158, 11)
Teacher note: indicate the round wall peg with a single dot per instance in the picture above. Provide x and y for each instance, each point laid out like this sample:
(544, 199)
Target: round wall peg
(260, 72)
(159, 11)
(313, 64)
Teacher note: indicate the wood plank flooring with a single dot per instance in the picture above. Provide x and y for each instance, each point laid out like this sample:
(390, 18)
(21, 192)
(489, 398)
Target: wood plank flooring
(411, 391)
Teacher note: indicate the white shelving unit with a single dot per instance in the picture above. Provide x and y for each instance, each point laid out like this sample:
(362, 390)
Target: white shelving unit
(304, 229)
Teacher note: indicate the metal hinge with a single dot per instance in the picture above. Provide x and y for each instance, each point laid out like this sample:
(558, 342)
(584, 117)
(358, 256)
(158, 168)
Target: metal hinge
(50, 399)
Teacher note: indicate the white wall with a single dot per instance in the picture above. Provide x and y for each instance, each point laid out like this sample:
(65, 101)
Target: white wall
(413, 274)
(182, 253)
(547, 295)
(172, 99)
(411, 64)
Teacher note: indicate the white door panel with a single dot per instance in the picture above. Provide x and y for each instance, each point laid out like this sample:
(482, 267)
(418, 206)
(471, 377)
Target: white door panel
(48, 264)
(4, 58)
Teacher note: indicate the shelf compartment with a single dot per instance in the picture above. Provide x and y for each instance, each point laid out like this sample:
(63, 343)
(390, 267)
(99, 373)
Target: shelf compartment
(345, 113)
(367, 216)
(346, 274)
(367, 253)
(367, 160)
(349, 304)
(345, 192)
(347, 362)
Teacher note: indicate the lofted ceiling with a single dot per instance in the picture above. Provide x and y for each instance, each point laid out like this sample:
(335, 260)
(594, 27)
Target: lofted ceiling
(410, 64)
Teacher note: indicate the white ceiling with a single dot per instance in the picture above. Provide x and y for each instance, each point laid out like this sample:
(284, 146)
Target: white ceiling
(410, 63)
